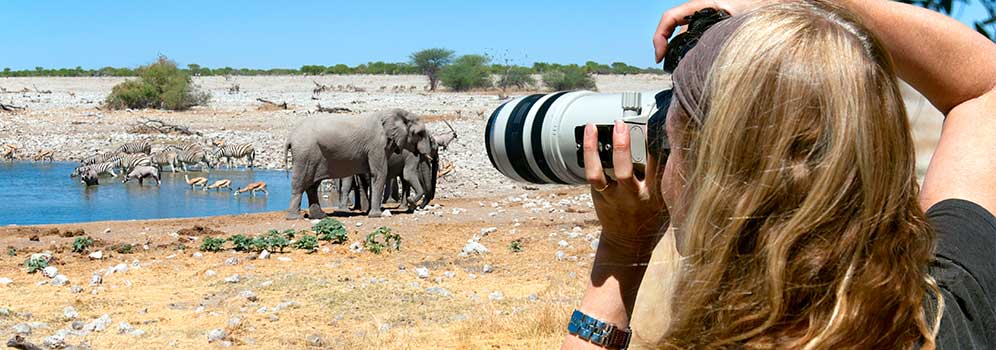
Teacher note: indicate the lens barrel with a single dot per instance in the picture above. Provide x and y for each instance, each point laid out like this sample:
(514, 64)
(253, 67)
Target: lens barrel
(532, 138)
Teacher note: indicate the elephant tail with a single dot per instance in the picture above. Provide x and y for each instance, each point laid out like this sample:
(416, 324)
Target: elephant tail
(288, 158)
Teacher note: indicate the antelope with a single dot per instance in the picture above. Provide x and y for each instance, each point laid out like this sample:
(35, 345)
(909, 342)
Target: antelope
(45, 155)
(218, 185)
(10, 152)
(197, 181)
(252, 188)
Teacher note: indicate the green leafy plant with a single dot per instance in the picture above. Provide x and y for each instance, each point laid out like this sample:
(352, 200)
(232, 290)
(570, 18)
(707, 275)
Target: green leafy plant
(11, 251)
(307, 242)
(467, 72)
(82, 244)
(515, 77)
(241, 243)
(331, 230)
(568, 78)
(382, 239)
(35, 264)
(289, 233)
(160, 85)
(430, 62)
(212, 244)
(272, 241)
(124, 248)
(515, 246)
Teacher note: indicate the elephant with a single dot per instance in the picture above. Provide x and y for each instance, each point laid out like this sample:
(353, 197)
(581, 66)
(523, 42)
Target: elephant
(417, 175)
(142, 172)
(328, 147)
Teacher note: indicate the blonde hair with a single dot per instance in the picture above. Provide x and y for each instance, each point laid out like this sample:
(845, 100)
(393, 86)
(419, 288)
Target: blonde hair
(803, 227)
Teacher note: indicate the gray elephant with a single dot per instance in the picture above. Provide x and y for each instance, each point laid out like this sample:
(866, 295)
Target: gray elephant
(142, 172)
(329, 147)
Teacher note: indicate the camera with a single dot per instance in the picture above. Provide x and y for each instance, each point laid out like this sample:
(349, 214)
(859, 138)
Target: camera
(538, 138)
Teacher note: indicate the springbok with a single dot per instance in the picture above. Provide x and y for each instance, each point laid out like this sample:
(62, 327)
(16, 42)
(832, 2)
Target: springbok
(197, 181)
(252, 188)
(218, 185)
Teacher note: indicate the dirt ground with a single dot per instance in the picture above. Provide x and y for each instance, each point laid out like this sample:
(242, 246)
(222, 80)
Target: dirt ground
(349, 300)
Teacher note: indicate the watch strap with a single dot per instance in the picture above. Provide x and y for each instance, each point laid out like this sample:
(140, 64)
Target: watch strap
(598, 332)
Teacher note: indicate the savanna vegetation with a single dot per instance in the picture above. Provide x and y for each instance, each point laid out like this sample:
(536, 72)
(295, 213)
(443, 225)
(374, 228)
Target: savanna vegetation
(160, 85)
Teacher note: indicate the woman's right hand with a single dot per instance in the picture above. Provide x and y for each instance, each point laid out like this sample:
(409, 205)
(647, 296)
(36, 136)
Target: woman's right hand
(676, 17)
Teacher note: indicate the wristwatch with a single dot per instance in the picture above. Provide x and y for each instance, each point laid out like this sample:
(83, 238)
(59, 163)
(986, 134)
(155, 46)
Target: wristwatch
(598, 332)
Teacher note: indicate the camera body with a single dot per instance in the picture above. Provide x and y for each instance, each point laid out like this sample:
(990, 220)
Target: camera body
(538, 138)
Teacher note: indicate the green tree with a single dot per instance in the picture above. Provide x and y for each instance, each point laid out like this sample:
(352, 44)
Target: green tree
(160, 85)
(515, 76)
(986, 27)
(467, 72)
(570, 77)
(430, 62)
(194, 68)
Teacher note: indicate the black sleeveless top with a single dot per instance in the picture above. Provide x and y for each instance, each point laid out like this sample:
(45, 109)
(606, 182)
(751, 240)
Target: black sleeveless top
(965, 270)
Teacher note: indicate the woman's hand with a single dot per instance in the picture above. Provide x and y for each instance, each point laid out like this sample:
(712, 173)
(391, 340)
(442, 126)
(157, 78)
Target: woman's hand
(676, 17)
(631, 215)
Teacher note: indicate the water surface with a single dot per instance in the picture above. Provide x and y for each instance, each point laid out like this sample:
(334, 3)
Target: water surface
(43, 193)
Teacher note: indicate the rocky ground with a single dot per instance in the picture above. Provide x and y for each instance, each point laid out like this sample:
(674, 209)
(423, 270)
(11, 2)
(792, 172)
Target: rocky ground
(458, 281)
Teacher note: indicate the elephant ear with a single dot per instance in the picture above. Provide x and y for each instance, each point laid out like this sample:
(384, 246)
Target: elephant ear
(396, 129)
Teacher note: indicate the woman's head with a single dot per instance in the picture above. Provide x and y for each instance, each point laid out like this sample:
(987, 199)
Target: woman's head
(792, 185)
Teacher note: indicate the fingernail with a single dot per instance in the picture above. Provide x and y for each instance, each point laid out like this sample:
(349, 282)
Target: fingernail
(589, 129)
(620, 127)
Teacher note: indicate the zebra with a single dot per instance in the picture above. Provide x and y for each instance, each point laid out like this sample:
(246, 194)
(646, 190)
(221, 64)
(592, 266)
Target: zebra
(100, 158)
(163, 158)
(185, 147)
(130, 161)
(142, 146)
(243, 150)
(99, 168)
(194, 157)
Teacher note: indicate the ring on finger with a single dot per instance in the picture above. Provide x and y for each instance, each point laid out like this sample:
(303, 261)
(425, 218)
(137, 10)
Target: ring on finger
(601, 189)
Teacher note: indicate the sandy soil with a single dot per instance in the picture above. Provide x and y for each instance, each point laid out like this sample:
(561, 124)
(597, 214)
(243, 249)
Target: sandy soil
(349, 300)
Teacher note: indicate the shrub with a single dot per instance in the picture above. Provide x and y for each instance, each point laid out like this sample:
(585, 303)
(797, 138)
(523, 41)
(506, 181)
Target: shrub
(332, 230)
(517, 77)
(160, 85)
(382, 239)
(35, 264)
(272, 241)
(467, 72)
(515, 246)
(11, 251)
(124, 248)
(289, 233)
(241, 243)
(211, 244)
(82, 244)
(568, 78)
(307, 242)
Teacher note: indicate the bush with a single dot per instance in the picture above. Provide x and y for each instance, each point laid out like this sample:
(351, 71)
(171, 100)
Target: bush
(211, 244)
(332, 230)
(11, 251)
(568, 78)
(430, 62)
(517, 77)
(124, 248)
(271, 241)
(36, 264)
(467, 72)
(82, 244)
(515, 246)
(241, 243)
(382, 239)
(160, 85)
(308, 243)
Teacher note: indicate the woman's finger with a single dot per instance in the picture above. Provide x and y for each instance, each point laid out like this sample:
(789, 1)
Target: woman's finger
(669, 21)
(592, 164)
(622, 161)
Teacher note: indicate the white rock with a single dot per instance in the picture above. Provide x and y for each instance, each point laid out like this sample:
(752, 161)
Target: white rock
(594, 244)
(234, 322)
(119, 268)
(97, 255)
(69, 313)
(60, 280)
(449, 274)
(99, 324)
(488, 268)
(248, 295)
(233, 279)
(440, 291)
(55, 341)
(284, 259)
(197, 255)
(358, 224)
(422, 272)
(474, 247)
(496, 295)
(265, 254)
(563, 244)
(50, 271)
(356, 247)
(216, 334)
(232, 261)
(136, 333)
(107, 230)
(386, 213)
(561, 255)
(95, 279)
(210, 273)
(5, 281)
(488, 230)
(124, 327)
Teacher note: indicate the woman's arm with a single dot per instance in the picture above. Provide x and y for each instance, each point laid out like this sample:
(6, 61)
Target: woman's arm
(955, 68)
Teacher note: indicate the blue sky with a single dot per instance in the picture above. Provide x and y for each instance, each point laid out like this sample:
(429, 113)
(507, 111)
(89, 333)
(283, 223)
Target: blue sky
(288, 34)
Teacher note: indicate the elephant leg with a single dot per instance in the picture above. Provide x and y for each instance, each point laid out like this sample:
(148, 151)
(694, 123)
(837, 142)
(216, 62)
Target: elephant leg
(361, 190)
(411, 178)
(314, 206)
(301, 177)
(378, 178)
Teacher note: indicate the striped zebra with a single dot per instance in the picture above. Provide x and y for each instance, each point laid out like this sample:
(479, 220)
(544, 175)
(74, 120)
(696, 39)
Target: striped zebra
(100, 158)
(142, 146)
(164, 158)
(99, 168)
(243, 150)
(194, 157)
(130, 161)
(185, 147)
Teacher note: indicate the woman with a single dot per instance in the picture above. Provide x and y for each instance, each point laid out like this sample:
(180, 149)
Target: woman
(791, 187)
